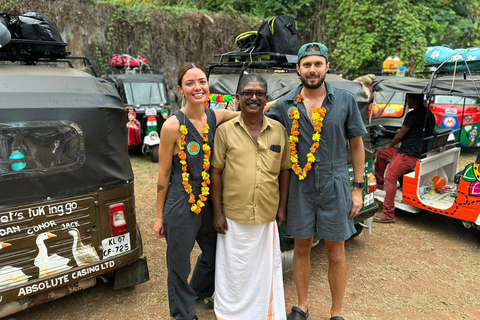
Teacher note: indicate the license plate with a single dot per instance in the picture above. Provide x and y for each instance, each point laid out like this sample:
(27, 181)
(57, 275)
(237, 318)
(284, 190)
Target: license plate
(368, 200)
(451, 111)
(116, 245)
(150, 112)
(389, 110)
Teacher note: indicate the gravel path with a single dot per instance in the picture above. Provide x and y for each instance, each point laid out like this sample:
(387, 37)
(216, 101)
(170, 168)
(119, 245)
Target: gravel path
(424, 266)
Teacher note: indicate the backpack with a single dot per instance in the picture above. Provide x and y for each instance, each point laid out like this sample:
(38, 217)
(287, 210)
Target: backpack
(245, 40)
(36, 26)
(5, 21)
(279, 35)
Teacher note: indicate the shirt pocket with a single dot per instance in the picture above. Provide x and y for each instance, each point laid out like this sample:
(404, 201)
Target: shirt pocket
(271, 160)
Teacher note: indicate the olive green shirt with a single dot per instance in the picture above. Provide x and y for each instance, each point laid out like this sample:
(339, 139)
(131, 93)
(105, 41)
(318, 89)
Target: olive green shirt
(250, 174)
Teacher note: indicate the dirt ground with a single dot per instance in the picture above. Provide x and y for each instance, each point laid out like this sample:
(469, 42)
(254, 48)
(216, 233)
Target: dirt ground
(424, 266)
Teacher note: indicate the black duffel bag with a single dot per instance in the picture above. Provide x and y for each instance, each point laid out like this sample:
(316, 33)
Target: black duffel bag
(36, 26)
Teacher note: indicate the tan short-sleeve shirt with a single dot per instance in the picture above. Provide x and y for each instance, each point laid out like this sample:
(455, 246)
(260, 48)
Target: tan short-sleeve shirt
(250, 173)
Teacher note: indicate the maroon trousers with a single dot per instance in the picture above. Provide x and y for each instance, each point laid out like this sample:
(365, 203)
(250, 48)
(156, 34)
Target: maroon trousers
(399, 164)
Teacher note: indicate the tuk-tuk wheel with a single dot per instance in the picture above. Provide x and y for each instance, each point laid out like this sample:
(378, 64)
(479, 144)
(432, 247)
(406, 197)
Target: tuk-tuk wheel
(154, 153)
(359, 229)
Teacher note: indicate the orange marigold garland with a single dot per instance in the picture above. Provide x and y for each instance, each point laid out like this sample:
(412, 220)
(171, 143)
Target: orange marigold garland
(202, 197)
(317, 118)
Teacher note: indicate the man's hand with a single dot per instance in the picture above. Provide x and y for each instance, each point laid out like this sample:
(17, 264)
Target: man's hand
(158, 227)
(220, 223)
(356, 202)
(281, 217)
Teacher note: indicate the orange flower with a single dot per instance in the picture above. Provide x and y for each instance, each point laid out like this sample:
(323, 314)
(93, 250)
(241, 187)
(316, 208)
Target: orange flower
(299, 98)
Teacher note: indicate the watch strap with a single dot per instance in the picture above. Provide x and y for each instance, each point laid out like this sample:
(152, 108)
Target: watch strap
(360, 185)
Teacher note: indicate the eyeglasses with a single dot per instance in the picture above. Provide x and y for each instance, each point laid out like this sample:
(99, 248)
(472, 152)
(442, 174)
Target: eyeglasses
(249, 94)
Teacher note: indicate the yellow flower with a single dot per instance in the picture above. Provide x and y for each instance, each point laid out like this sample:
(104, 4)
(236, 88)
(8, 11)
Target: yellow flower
(310, 157)
(293, 139)
(200, 204)
(183, 129)
(206, 128)
(194, 207)
(316, 136)
(205, 175)
(294, 159)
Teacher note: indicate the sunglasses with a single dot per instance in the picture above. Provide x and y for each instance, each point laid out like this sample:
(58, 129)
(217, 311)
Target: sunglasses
(247, 94)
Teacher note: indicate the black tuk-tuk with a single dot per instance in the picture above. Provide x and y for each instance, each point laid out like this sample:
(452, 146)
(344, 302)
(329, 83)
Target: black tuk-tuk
(67, 207)
(146, 100)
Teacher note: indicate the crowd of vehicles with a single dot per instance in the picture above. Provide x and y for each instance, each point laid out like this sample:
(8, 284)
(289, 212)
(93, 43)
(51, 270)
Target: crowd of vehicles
(67, 209)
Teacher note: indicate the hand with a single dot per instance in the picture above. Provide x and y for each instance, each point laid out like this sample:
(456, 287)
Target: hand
(158, 228)
(356, 202)
(281, 217)
(220, 223)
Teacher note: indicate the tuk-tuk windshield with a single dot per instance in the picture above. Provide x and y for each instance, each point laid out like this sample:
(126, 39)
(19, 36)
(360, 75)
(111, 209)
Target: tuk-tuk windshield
(453, 100)
(388, 104)
(145, 93)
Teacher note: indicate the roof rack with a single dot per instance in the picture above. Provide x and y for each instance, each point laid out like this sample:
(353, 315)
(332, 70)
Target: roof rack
(17, 51)
(238, 62)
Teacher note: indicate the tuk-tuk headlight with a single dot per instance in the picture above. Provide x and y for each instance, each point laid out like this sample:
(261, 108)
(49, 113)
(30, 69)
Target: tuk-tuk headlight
(468, 119)
(153, 135)
(137, 105)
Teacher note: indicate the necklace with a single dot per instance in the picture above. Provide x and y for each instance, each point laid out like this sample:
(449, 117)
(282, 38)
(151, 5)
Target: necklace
(196, 206)
(318, 115)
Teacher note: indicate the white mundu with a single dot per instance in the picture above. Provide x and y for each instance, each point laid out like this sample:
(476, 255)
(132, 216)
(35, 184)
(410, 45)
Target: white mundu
(248, 273)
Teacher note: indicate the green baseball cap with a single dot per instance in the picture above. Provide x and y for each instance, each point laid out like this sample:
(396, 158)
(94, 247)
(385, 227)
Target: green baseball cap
(323, 51)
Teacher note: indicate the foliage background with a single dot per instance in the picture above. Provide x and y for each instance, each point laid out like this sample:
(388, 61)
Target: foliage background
(360, 35)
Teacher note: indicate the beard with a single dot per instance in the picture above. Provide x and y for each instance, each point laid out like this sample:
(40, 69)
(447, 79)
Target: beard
(314, 85)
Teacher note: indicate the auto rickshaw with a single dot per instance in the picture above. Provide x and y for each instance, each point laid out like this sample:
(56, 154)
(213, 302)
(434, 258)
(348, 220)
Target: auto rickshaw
(67, 205)
(435, 184)
(146, 100)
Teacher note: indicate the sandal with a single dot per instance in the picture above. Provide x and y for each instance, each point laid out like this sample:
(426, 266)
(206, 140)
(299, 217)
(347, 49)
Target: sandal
(337, 318)
(297, 314)
(380, 218)
(207, 302)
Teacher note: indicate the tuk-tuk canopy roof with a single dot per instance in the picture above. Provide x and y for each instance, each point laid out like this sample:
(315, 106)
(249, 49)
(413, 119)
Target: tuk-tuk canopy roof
(140, 78)
(33, 99)
(280, 84)
(468, 88)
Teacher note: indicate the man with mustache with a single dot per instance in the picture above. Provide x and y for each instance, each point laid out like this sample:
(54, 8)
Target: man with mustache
(324, 123)
(250, 176)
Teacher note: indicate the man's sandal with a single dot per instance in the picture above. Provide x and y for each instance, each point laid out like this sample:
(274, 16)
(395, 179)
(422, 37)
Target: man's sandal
(337, 318)
(381, 219)
(297, 314)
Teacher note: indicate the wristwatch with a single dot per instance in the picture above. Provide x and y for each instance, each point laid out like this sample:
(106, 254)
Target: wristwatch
(360, 185)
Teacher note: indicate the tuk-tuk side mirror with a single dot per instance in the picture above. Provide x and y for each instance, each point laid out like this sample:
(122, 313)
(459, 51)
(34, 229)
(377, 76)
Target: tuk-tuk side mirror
(170, 86)
(5, 36)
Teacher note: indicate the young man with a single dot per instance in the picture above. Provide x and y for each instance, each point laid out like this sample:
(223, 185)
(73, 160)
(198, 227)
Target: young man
(250, 176)
(403, 158)
(322, 121)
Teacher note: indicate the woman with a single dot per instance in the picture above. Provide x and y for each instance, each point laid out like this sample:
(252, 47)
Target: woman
(184, 212)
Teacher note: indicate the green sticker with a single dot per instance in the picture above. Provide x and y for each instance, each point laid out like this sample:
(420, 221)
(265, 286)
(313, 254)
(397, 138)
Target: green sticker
(288, 111)
(193, 148)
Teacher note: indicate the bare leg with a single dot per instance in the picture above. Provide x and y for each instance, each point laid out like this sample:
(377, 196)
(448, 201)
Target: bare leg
(337, 274)
(301, 270)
